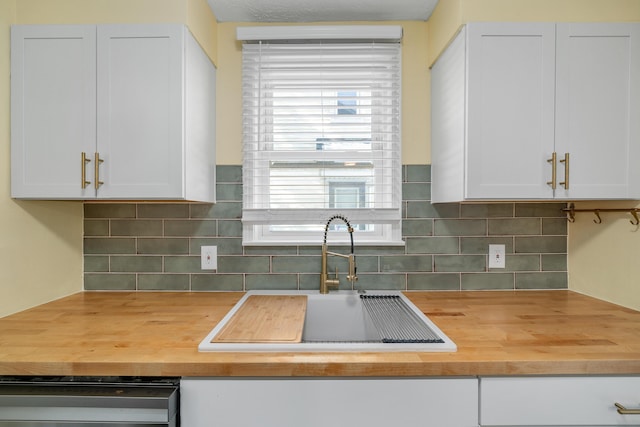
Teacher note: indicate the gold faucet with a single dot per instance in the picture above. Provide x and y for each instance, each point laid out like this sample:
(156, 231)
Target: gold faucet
(325, 281)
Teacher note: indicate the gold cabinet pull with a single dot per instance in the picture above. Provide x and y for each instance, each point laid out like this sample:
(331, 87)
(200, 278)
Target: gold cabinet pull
(83, 163)
(624, 411)
(98, 183)
(566, 171)
(554, 180)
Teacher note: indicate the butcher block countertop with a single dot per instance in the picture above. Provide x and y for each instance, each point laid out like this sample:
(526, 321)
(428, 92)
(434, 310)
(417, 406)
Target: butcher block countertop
(157, 334)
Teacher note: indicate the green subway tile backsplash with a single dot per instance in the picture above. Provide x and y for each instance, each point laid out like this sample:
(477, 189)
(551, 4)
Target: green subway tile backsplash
(480, 245)
(554, 226)
(96, 227)
(111, 282)
(515, 226)
(271, 281)
(499, 210)
(417, 173)
(433, 282)
(297, 264)
(193, 227)
(417, 227)
(163, 246)
(543, 244)
(163, 210)
(554, 262)
(182, 264)
(489, 281)
(432, 245)
(136, 264)
(455, 263)
(541, 280)
(136, 227)
(406, 263)
(163, 282)
(96, 263)
(111, 210)
(460, 227)
(156, 246)
(217, 282)
(105, 245)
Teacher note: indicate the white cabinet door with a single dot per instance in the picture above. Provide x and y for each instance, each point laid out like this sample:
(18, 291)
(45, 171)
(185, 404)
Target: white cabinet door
(199, 115)
(120, 94)
(53, 110)
(448, 123)
(338, 402)
(493, 113)
(598, 110)
(510, 113)
(558, 401)
(140, 138)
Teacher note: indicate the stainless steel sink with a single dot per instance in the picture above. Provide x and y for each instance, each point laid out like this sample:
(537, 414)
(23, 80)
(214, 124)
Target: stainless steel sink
(339, 321)
(337, 318)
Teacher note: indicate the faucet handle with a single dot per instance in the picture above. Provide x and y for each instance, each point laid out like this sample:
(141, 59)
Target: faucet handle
(333, 283)
(352, 276)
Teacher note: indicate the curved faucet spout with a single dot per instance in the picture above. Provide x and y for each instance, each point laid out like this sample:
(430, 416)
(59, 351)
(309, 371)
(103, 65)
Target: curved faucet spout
(325, 281)
(349, 229)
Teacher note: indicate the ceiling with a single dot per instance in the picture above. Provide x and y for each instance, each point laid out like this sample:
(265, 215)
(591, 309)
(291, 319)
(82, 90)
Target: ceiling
(321, 10)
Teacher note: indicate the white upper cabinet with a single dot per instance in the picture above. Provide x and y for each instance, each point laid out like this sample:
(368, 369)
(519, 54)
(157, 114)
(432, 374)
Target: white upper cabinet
(537, 111)
(118, 97)
(598, 110)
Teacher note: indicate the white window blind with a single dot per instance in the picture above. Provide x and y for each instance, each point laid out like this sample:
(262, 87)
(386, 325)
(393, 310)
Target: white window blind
(321, 136)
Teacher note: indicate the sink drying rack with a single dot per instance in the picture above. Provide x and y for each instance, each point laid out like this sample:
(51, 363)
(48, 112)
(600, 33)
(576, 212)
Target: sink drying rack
(571, 213)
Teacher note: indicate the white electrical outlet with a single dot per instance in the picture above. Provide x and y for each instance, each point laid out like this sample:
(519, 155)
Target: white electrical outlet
(496, 256)
(209, 257)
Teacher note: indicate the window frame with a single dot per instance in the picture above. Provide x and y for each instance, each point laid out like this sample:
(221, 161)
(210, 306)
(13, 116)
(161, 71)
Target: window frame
(268, 226)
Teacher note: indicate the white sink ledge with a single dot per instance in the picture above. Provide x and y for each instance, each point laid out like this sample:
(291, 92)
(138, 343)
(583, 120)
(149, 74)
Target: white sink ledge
(336, 318)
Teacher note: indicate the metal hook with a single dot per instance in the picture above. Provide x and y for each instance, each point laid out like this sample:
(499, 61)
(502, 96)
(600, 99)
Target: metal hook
(597, 214)
(634, 213)
(571, 213)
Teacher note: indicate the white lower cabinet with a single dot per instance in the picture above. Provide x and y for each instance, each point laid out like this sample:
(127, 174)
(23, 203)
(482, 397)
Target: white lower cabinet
(552, 401)
(336, 402)
(559, 401)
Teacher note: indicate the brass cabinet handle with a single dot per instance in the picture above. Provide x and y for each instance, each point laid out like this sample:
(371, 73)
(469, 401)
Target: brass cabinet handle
(624, 411)
(566, 171)
(554, 180)
(83, 163)
(98, 183)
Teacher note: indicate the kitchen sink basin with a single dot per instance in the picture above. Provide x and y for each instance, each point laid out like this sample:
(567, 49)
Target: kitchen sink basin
(347, 321)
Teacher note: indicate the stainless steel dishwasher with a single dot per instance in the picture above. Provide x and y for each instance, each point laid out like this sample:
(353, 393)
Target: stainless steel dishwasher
(88, 401)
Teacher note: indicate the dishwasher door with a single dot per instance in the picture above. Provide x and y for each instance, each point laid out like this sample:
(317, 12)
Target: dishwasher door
(86, 403)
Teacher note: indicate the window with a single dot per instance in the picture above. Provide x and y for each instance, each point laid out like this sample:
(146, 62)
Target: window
(321, 136)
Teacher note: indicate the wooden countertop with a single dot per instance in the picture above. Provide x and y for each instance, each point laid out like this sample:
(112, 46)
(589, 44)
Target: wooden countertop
(157, 334)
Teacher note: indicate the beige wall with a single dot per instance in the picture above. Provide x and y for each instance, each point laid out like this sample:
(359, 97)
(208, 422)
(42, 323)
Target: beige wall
(415, 93)
(603, 259)
(449, 15)
(204, 26)
(41, 242)
(195, 13)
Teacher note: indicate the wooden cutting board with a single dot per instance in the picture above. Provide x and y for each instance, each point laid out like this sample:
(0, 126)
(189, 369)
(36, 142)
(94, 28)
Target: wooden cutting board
(266, 319)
